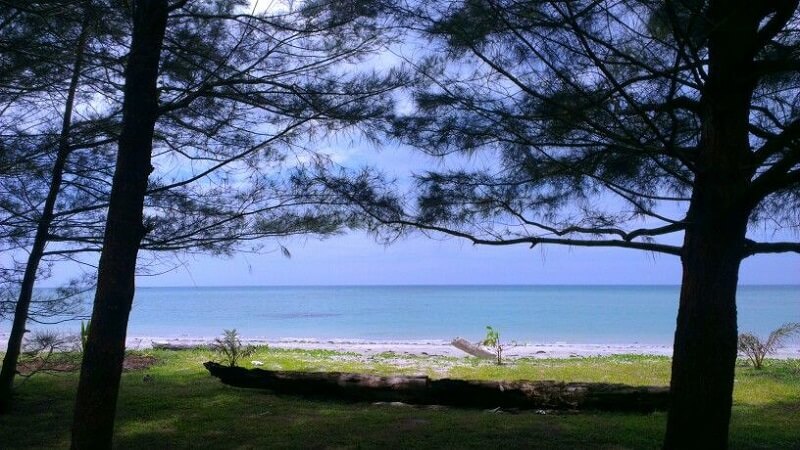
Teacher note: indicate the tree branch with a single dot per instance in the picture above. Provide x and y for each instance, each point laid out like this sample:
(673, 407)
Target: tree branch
(754, 248)
(782, 14)
(534, 241)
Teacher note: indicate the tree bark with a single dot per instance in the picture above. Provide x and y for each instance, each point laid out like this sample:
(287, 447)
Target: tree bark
(705, 341)
(714, 243)
(105, 348)
(9, 370)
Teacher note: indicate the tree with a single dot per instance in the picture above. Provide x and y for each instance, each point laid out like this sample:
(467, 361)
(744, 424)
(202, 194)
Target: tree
(612, 124)
(756, 350)
(45, 221)
(220, 89)
(51, 49)
(105, 346)
(211, 133)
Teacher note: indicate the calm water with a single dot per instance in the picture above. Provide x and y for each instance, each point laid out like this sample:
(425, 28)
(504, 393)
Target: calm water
(574, 314)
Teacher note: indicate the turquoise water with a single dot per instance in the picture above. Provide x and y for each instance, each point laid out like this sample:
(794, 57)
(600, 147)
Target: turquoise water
(573, 314)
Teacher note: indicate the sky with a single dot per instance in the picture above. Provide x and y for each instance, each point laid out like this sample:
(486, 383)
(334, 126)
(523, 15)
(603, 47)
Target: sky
(356, 259)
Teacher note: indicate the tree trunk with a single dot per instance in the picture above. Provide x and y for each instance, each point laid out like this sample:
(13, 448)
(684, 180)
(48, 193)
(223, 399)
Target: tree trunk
(9, 370)
(705, 341)
(105, 348)
(706, 334)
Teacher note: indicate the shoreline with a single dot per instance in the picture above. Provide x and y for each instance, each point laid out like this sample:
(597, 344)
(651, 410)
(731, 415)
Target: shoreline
(424, 347)
(437, 347)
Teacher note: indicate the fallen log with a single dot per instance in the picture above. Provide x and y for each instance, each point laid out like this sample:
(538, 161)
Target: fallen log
(474, 350)
(164, 345)
(462, 393)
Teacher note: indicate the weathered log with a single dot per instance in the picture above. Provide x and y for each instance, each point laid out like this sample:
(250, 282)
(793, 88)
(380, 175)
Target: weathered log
(474, 350)
(164, 345)
(462, 393)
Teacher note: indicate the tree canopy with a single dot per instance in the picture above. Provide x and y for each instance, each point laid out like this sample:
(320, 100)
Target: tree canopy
(592, 113)
(670, 127)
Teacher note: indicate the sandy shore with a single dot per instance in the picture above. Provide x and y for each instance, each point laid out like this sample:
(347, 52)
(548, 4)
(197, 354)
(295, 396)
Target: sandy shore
(441, 348)
(426, 347)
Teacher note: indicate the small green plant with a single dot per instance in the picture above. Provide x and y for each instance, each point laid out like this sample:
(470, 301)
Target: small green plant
(756, 350)
(492, 340)
(84, 334)
(230, 347)
(47, 352)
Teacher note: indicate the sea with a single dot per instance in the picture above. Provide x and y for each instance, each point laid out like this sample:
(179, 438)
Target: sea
(523, 314)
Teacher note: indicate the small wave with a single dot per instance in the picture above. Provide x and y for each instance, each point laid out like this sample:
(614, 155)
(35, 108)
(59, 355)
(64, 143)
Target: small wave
(298, 315)
(309, 340)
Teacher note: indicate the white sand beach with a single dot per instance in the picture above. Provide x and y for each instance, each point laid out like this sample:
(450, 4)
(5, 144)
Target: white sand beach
(437, 347)
(426, 347)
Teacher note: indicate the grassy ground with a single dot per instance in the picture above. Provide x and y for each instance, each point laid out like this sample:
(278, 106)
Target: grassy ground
(178, 405)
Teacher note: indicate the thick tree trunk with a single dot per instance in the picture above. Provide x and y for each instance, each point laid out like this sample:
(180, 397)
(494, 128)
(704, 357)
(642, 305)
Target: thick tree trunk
(705, 340)
(9, 370)
(705, 337)
(105, 349)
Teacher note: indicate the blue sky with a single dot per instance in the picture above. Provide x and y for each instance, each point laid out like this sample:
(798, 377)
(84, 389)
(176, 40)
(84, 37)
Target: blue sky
(356, 259)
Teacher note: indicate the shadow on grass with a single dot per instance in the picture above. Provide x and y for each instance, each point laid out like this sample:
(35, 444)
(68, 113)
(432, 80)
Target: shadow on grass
(241, 418)
(179, 408)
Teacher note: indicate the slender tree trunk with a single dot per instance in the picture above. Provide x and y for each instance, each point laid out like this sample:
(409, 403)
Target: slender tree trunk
(14, 348)
(105, 348)
(705, 351)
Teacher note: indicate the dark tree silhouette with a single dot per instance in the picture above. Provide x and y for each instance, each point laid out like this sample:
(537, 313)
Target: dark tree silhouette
(105, 346)
(222, 120)
(54, 177)
(219, 98)
(612, 124)
(37, 249)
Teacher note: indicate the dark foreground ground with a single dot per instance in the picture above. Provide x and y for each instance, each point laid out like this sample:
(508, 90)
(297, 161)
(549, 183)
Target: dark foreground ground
(174, 403)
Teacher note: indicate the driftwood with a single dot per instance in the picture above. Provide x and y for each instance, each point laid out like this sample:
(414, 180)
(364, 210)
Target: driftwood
(462, 393)
(474, 350)
(163, 345)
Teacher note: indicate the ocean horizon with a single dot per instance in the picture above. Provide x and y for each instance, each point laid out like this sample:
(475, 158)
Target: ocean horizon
(575, 314)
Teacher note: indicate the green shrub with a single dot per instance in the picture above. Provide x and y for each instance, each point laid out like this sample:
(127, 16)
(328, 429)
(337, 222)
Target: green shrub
(756, 350)
(492, 340)
(84, 334)
(230, 347)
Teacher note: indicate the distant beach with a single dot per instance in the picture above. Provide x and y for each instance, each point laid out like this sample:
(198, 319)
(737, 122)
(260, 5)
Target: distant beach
(441, 348)
(426, 347)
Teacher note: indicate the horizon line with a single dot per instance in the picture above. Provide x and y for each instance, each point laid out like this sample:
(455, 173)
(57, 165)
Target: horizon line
(442, 285)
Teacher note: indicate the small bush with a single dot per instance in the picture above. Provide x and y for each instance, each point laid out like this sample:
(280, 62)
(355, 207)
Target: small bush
(84, 336)
(756, 350)
(230, 347)
(44, 342)
(47, 351)
(492, 340)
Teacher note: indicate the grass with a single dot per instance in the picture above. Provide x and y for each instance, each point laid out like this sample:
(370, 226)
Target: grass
(181, 406)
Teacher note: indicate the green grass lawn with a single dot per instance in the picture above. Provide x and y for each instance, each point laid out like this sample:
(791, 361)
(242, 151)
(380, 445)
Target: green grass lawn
(181, 406)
